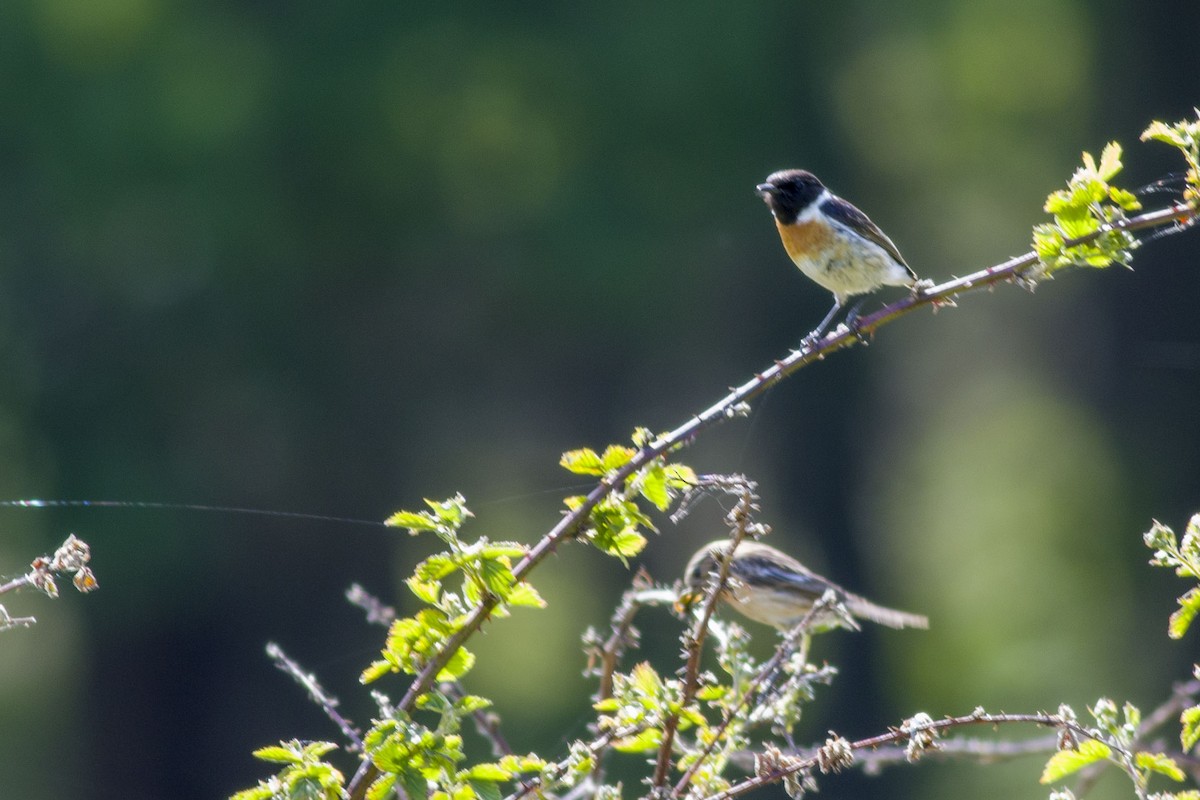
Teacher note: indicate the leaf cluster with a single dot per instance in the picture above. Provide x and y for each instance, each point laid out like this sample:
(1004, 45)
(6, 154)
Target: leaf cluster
(615, 523)
(1185, 136)
(1089, 205)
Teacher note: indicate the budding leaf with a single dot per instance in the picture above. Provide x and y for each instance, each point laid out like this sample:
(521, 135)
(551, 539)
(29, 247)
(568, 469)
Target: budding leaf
(1181, 620)
(1066, 762)
(459, 664)
(582, 462)
(414, 522)
(1191, 728)
(1157, 762)
(277, 755)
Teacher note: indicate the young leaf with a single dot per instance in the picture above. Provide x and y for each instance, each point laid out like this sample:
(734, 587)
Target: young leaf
(1110, 161)
(584, 461)
(1157, 762)
(522, 595)
(1066, 762)
(616, 456)
(426, 591)
(277, 755)
(488, 772)
(1181, 620)
(459, 664)
(486, 790)
(643, 742)
(257, 793)
(1190, 734)
(653, 487)
(414, 522)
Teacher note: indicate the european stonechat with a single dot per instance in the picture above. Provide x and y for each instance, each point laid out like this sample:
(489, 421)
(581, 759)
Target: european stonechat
(831, 241)
(769, 586)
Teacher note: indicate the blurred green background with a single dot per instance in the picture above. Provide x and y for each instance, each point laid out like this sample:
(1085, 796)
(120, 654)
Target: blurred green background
(332, 258)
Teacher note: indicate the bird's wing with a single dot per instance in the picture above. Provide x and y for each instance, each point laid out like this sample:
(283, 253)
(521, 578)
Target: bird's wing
(792, 576)
(847, 214)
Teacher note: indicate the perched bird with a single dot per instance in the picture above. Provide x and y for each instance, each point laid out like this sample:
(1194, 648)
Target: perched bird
(770, 586)
(831, 241)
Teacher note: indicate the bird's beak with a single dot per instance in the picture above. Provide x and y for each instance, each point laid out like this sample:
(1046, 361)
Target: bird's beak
(765, 189)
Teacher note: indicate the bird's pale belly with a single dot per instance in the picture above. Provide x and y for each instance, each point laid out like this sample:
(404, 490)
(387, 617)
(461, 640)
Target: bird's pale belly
(845, 265)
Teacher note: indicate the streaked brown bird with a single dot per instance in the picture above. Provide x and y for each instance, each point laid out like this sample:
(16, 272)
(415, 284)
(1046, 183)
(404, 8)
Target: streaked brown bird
(769, 586)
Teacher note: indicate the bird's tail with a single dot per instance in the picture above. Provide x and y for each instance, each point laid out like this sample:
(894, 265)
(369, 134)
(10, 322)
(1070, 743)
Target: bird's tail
(861, 607)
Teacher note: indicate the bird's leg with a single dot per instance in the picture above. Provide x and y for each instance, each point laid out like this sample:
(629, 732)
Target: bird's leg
(852, 314)
(852, 320)
(819, 331)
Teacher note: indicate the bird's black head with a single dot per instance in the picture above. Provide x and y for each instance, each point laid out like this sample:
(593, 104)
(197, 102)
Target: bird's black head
(790, 191)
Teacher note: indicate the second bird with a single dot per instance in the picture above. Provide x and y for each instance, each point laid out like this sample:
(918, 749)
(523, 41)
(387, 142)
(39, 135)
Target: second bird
(831, 241)
(768, 585)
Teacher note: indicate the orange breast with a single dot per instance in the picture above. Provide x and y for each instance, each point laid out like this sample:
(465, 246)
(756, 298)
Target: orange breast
(804, 240)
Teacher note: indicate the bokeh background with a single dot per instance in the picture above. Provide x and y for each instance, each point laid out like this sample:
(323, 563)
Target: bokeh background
(335, 257)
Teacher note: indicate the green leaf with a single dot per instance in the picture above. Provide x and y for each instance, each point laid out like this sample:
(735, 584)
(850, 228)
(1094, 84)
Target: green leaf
(1162, 132)
(459, 664)
(470, 703)
(646, 679)
(415, 784)
(584, 461)
(414, 522)
(487, 790)
(452, 511)
(1157, 762)
(257, 793)
(436, 567)
(643, 742)
(680, 476)
(1181, 620)
(1125, 199)
(522, 595)
(1191, 728)
(503, 549)
(1110, 161)
(496, 576)
(653, 487)
(277, 755)
(488, 772)
(616, 456)
(1066, 762)
(426, 591)
(376, 671)
(626, 543)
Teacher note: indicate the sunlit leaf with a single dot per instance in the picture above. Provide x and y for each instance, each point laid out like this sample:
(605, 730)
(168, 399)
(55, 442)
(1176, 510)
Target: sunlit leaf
(1066, 762)
(488, 772)
(653, 487)
(414, 522)
(584, 461)
(1110, 161)
(643, 742)
(1157, 762)
(522, 595)
(1181, 620)
(459, 664)
(1191, 728)
(616, 456)
(277, 755)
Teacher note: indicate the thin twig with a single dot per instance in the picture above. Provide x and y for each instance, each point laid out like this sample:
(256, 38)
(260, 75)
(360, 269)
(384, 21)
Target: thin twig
(797, 635)
(896, 735)
(317, 693)
(694, 639)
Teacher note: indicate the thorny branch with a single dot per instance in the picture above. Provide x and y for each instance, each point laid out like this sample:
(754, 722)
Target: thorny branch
(732, 405)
